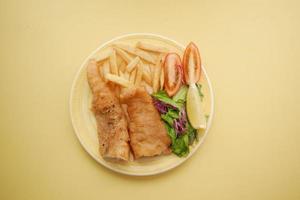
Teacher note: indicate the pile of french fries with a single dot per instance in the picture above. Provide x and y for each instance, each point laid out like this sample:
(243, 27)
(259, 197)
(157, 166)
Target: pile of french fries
(137, 66)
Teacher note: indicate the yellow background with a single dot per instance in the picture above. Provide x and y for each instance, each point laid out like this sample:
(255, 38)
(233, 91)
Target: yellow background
(251, 52)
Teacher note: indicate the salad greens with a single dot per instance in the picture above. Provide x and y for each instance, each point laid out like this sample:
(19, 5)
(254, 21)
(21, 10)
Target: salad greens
(167, 119)
(173, 114)
(192, 133)
(163, 97)
(181, 94)
(181, 146)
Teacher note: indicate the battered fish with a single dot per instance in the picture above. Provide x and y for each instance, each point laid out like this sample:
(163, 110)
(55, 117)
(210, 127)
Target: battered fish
(148, 135)
(111, 122)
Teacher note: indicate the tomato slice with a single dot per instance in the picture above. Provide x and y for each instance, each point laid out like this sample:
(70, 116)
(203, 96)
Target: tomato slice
(191, 64)
(172, 73)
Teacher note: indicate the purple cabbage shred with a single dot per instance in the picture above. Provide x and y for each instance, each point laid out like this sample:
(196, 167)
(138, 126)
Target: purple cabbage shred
(162, 107)
(180, 123)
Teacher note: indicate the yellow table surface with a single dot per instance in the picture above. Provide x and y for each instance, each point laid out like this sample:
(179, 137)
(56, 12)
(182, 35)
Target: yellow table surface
(251, 52)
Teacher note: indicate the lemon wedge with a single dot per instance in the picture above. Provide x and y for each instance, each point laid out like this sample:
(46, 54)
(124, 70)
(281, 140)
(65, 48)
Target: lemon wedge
(194, 108)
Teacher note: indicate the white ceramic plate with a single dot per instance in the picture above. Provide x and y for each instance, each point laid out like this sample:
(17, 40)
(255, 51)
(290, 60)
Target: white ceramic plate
(85, 125)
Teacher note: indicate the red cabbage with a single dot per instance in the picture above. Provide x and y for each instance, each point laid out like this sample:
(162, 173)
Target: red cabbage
(162, 107)
(180, 123)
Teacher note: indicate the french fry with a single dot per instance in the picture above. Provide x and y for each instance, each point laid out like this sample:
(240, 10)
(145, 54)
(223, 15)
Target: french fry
(132, 76)
(162, 78)
(126, 75)
(152, 70)
(147, 77)
(139, 75)
(113, 63)
(118, 80)
(155, 82)
(147, 87)
(123, 54)
(100, 71)
(138, 52)
(131, 66)
(105, 70)
(146, 68)
(121, 74)
(151, 47)
(159, 61)
(122, 66)
(156, 76)
(102, 57)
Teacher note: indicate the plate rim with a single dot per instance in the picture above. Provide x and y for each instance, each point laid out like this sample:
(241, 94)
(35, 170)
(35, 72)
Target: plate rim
(84, 145)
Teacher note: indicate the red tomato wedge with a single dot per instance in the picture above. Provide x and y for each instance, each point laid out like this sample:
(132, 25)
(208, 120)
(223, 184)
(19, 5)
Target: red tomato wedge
(172, 73)
(191, 64)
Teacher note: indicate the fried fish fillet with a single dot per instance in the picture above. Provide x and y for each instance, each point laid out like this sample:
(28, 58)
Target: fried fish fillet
(111, 122)
(148, 135)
